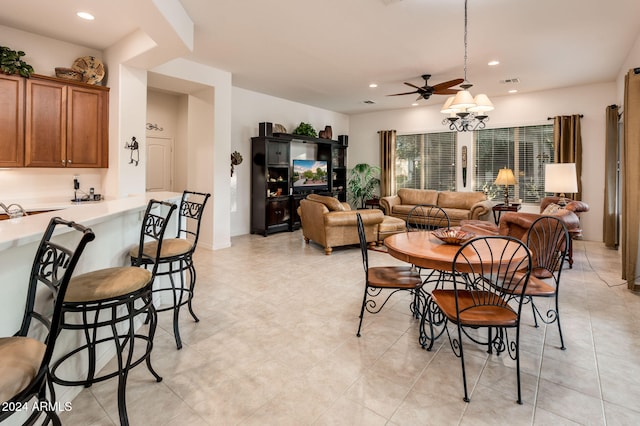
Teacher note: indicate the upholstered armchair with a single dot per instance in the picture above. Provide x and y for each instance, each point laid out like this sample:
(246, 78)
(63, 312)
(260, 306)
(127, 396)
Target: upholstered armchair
(330, 223)
(516, 224)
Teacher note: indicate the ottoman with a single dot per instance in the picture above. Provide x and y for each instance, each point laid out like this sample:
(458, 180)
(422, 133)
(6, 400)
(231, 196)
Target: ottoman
(390, 225)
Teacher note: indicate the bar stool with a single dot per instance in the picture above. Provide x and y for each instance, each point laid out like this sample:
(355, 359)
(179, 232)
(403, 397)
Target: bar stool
(104, 305)
(24, 361)
(177, 257)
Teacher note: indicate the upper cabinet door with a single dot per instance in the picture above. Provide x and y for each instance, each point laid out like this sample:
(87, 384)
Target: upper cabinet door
(87, 133)
(67, 124)
(45, 124)
(278, 153)
(11, 121)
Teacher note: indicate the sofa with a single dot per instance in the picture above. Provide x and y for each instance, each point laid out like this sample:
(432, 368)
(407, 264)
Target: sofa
(330, 223)
(459, 206)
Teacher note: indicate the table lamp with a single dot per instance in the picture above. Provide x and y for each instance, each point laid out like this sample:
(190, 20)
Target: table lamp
(506, 178)
(560, 178)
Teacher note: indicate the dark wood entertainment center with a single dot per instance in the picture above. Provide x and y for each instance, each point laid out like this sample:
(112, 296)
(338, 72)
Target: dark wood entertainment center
(274, 199)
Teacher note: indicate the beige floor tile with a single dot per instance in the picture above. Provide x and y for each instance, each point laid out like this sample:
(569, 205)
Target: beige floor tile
(276, 345)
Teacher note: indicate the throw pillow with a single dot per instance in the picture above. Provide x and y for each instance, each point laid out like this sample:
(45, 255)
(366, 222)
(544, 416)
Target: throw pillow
(333, 204)
(551, 209)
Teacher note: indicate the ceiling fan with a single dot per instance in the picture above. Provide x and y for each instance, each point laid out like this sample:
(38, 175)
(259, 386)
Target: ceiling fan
(426, 91)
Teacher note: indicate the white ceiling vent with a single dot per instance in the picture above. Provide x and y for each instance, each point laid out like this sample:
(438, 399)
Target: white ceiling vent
(369, 102)
(510, 81)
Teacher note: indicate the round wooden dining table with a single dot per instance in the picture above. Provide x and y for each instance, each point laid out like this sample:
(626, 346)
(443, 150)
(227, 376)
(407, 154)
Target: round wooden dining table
(423, 249)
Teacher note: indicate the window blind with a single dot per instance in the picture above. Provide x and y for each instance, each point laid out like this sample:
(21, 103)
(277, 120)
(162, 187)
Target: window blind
(525, 150)
(426, 161)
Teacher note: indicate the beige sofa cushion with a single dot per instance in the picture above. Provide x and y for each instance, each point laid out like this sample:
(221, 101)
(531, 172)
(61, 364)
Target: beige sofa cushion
(459, 200)
(418, 196)
(333, 204)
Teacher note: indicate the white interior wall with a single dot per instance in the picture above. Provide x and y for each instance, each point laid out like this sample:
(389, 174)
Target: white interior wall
(520, 109)
(201, 155)
(250, 108)
(163, 111)
(208, 132)
(130, 117)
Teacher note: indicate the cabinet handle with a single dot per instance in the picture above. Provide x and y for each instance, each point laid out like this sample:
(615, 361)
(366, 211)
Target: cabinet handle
(69, 161)
(63, 162)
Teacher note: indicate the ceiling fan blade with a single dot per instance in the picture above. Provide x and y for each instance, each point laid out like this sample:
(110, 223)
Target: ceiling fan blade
(406, 93)
(446, 92)
(413, 85)
(447, 84)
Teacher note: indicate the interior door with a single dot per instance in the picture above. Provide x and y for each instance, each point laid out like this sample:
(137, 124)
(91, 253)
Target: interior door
(159, 164)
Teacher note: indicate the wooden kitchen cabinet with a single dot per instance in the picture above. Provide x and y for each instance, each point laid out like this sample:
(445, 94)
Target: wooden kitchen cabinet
(11, 121)
(66, 124)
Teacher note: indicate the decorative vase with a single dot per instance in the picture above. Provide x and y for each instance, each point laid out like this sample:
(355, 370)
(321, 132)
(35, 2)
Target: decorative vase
(328, 132)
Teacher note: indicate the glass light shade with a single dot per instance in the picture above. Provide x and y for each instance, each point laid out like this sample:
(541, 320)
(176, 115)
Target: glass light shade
(505, 177)
(560, 178)
(462, 100)
(483, 104)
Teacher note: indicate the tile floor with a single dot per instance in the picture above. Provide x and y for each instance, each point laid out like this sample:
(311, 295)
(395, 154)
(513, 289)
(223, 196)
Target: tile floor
(276, 345)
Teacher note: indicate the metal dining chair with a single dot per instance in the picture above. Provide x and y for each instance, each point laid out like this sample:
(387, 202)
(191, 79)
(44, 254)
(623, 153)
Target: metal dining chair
(381, 278)
(427, 217)
(25, 356)
(548, 240)
(487, 271)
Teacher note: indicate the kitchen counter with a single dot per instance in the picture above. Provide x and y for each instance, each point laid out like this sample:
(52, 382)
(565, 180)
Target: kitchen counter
(27, 229)
(116, 224)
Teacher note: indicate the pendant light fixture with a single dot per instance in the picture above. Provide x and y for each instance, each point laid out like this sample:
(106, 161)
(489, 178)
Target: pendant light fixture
(466, 113)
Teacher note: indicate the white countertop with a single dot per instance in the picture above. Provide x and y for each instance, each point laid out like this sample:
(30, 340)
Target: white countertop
(27, 229)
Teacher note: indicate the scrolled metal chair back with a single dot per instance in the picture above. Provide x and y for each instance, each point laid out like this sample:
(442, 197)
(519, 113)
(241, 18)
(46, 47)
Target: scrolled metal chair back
(492, 269)
(427, 217)
(548, 240)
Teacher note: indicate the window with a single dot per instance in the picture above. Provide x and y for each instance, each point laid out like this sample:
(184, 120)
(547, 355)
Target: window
(426, 161)
(525, 150)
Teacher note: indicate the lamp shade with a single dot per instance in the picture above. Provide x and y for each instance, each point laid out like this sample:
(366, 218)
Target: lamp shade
(560, 178)
(462, 100)
(505, 177)
(483, 104)
(446, 108)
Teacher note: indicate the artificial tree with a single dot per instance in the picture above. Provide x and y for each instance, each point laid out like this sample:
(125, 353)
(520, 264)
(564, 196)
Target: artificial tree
(363, 181)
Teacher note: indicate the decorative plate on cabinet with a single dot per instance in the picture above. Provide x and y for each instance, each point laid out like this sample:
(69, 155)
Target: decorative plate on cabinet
(91, 68)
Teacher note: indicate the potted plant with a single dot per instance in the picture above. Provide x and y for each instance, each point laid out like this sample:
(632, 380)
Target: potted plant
(305, 129)
(363, 182)
(11, 62)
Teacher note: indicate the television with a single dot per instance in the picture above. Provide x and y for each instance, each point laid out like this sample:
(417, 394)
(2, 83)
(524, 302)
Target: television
(310, 175)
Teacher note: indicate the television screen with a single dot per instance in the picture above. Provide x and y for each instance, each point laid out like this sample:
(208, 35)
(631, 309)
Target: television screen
(310, 173)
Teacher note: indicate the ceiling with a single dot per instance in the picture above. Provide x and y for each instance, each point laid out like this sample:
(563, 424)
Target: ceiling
(326, 53)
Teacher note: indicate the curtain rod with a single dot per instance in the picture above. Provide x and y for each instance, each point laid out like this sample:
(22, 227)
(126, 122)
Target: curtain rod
(551, 118)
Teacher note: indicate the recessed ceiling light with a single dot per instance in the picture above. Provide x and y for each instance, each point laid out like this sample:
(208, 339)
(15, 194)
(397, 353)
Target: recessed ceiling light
(414, 104)
(493, 63)
(85, 15)
(513, 91)
(373, 85)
